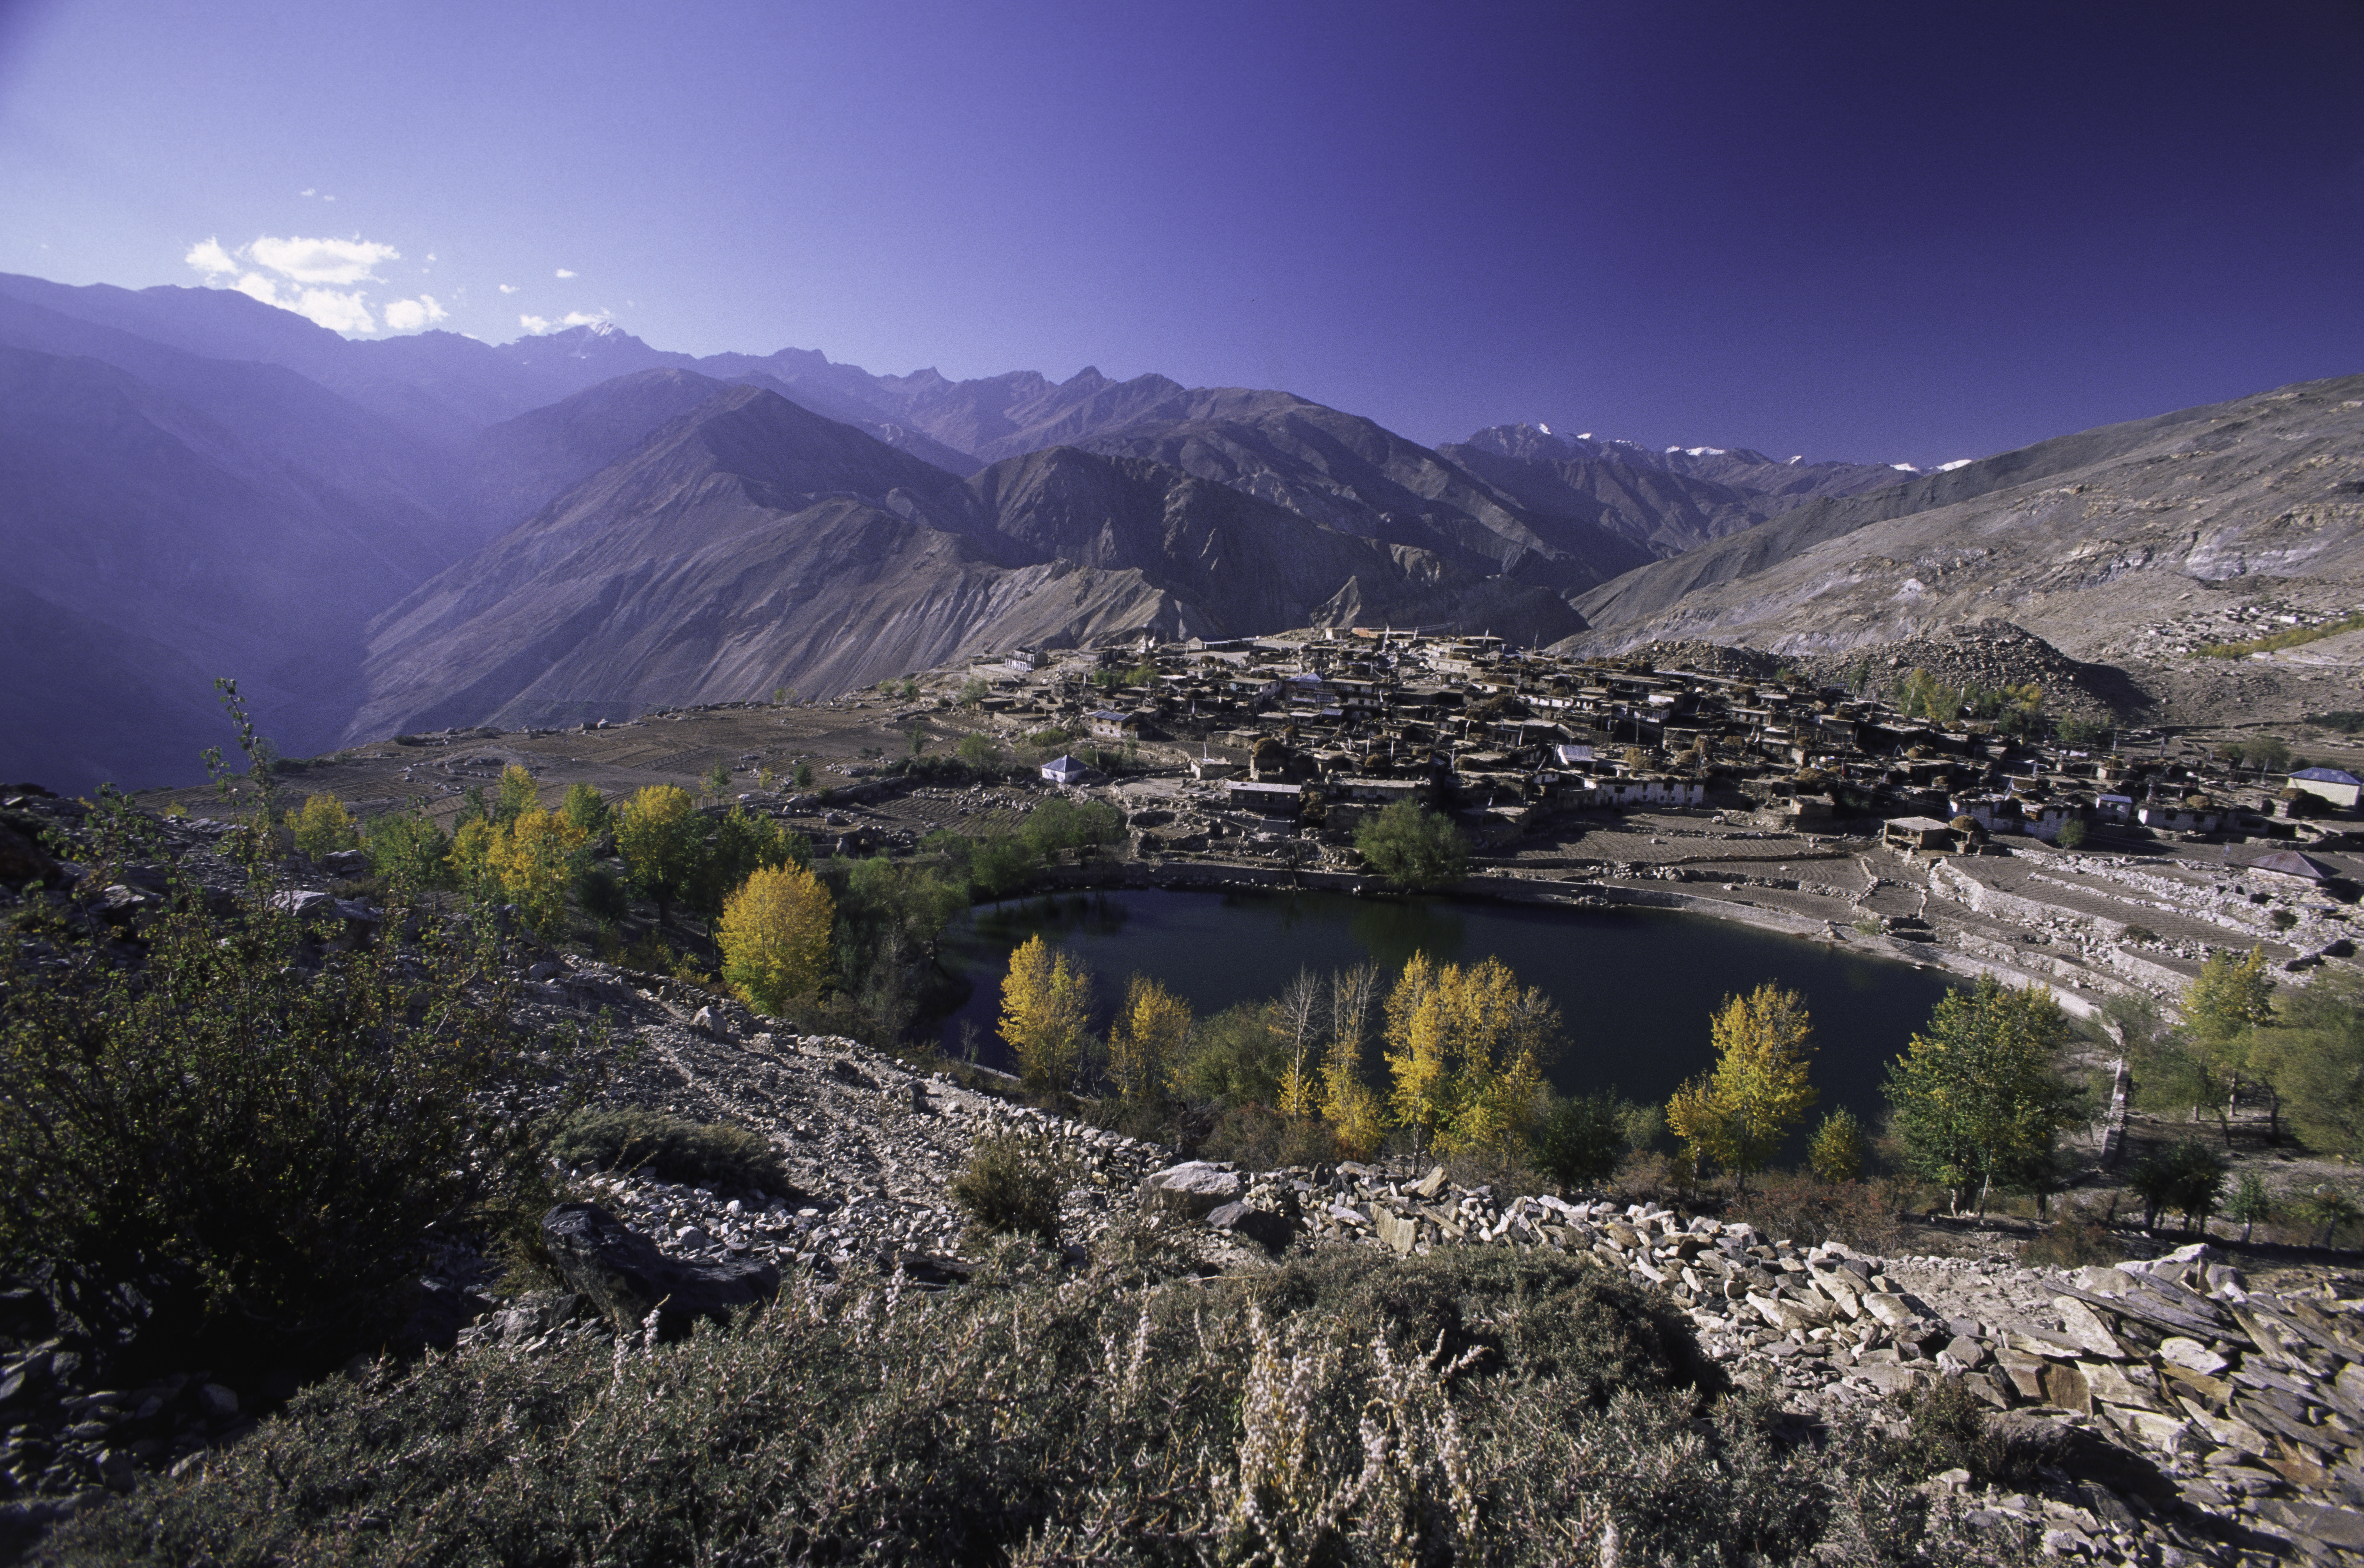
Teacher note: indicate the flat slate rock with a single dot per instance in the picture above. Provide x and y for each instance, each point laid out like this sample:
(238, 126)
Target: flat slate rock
(625, 1277)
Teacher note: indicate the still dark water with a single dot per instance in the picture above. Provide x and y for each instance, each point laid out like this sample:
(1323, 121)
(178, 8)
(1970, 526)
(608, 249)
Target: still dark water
(1634, 987)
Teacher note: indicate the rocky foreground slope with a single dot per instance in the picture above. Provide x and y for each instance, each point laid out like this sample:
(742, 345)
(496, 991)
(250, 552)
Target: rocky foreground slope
(2183, 1418)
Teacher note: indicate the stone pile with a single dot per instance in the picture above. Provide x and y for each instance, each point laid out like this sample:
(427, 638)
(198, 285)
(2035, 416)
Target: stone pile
(2166, 1391)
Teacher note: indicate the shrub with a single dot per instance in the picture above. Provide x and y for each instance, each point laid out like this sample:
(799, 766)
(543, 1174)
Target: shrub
(1836, 1151)
(1809, 1212)
(1492, 1408)
(244, 1141)
(1014, 1183)
(2071, 833)
(1580, 1140)
(1947, 1429)
(703, 1154)
(2079, 1240)
(1264, 1139)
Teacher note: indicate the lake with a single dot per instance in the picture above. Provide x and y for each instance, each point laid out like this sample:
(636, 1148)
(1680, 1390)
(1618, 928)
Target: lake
(1634, 987)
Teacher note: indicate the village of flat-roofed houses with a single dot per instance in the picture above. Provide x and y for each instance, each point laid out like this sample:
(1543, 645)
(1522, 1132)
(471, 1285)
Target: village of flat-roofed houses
(2095, 857)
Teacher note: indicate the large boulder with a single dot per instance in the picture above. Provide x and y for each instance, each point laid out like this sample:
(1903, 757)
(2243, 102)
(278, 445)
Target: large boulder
(1191, 1190)
(624, 1278)
(1268, 1230)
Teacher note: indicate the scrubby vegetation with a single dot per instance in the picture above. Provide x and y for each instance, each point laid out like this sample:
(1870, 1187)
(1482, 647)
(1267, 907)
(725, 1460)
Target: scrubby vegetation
(670, 1146)
(226, 1133)
(1490, 1407)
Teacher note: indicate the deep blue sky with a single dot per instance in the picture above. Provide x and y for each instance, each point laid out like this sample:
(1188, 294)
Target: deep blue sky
(1891, 231)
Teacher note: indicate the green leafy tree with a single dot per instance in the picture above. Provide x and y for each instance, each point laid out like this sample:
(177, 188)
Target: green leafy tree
(804, 775)
(2312, 1056)
(587, 809)
(2189, 1176)
(716, 781)
(2329, 1207)
(657, 833)
(410, 852)
(2250, 1203)
(2203, 1062)
(977, 751)
(1737, 1113)
(1413, 847)
(1979, 1093)
(518, 795)
(740, 843)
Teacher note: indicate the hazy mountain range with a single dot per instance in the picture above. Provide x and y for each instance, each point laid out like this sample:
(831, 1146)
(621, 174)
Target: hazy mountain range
(421, 531)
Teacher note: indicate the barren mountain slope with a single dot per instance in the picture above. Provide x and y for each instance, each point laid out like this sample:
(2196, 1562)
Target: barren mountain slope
(1786, 483)
(2079, 540)
(1662, 513)
(1359, 477)
(154, 542)
(750, 544)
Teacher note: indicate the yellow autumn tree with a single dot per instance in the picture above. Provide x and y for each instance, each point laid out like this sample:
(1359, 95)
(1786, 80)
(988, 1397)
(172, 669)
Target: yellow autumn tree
(1466, 1048)
(774, 936)
(1736, 1114)
(534, 860)
(323, 826)
(1046, 1004)
(1147, 1040)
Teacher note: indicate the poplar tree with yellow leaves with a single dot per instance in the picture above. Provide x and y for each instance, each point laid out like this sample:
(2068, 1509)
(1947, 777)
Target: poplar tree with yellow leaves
(1151, 1029)
(774, 934)
(1736, 1115)
(1465, 1050)
(1046, 1004)
(534, 860)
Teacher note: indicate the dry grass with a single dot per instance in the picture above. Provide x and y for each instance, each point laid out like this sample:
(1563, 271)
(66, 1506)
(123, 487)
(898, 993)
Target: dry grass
(1488, 1407)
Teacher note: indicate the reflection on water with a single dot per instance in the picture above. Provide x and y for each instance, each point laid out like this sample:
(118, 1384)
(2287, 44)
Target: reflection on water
(1635, 986)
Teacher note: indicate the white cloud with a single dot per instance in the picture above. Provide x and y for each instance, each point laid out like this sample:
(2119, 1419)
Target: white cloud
(541, 324)
(410, 315)
(351, 260)
(326, 307)
(508, 288)
(210, 259)
(565, 271)
(306, 191)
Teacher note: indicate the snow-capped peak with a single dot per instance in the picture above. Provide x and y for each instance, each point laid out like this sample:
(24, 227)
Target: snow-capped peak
(1798, 458)
(1903, 468)
(1701, 452)
(1544, 428)
(1949, 467)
